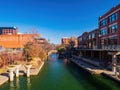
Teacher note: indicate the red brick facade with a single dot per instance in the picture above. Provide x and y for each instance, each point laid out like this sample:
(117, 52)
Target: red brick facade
(66, 40)
(112, 36)
(17, 40)
(107, 34)
(8, 30)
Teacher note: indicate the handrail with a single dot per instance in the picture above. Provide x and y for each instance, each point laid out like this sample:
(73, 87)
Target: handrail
(103, 47)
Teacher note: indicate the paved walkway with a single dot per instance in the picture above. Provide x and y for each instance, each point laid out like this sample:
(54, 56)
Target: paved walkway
(33, 71)
(86, 63)
(95, 70)
(90, 68)
(93, 62)
(112, 76)
(3, 79)
(36, 70)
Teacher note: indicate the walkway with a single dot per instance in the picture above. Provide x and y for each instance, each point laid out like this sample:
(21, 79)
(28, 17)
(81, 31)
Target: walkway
(90, 61)
(94, 69)
(88, 67)
(3, 79)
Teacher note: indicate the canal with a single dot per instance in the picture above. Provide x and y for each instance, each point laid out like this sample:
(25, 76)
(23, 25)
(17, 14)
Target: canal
(59, 75)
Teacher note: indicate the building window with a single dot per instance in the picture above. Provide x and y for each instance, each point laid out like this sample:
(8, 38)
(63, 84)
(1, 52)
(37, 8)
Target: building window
(103, 32)
(103, 42)
(113, 28)
(113, 17)
(80, 39)
(93, 35)
(103, 22)
(89, 36)
(85, 37)
(112, 41)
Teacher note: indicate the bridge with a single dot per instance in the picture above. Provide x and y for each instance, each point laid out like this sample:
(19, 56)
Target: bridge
(52, 51)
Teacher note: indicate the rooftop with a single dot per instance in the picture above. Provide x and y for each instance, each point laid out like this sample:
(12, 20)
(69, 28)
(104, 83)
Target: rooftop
(8, 27)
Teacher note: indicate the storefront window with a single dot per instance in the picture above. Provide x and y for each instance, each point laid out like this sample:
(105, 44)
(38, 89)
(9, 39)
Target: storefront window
(103, 22)
(103, 32)
(113, 17)
(113, 28)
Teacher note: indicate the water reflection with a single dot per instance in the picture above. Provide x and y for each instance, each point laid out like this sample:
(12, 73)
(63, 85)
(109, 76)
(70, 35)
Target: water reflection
(60, 74)
(17, 83)
(53, 57)
(12, 86)
(28, 84)
(65, 61)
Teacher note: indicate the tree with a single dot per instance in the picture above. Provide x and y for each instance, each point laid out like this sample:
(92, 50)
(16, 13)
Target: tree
(71, 43)
(34, 51)
(47, 46)
(43, 55)
(5, 57)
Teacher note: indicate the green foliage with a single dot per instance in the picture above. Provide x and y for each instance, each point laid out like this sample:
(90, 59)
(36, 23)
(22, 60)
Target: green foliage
(16, 63)
(28, 63)
(11, 66)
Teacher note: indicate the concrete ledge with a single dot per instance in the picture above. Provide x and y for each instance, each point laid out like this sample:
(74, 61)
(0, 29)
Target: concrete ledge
(87, 67)
(3, 79)
(91, 62)
(112, 77)
(36, 71)
(83, 67)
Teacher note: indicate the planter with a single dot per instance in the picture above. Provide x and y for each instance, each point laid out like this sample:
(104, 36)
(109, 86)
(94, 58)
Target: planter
(17, 67)
(11, 74)
(28, 66)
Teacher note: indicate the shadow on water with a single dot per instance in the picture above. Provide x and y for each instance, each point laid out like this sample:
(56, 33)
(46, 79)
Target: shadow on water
(98, 81)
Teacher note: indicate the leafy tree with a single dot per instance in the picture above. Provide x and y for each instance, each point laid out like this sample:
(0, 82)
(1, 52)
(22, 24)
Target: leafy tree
(71, 43)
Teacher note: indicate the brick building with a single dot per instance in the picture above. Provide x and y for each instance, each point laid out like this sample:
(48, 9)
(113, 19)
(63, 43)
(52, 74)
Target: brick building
(66, 40)
(107, 36)
(10, 38)
(102, 45)
(16, 41)
(88, 39)
(109, 28)
(8, 30)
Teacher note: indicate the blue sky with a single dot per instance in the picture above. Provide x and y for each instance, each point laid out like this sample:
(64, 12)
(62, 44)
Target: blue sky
(54, 19)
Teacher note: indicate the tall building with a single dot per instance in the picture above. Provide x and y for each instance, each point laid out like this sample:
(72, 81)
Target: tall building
(10, 38)
(107, 36)
(65, 40)
(102, 44)
(8, 30)
(88, 39)
(16, 41)
(109, 28)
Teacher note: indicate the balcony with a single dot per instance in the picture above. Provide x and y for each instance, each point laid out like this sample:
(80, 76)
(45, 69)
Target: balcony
(111, 47)
(104, 47)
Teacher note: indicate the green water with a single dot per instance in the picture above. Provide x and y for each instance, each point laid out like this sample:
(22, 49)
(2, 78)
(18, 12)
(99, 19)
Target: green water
(59, 75)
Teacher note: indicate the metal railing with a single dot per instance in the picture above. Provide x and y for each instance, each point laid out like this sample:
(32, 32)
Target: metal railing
(111, 47)
(103, 47)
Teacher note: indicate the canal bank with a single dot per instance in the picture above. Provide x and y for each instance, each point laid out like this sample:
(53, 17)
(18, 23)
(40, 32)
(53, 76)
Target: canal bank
(101, 79)
(4, 78)
(58, 74)
(92, 68)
